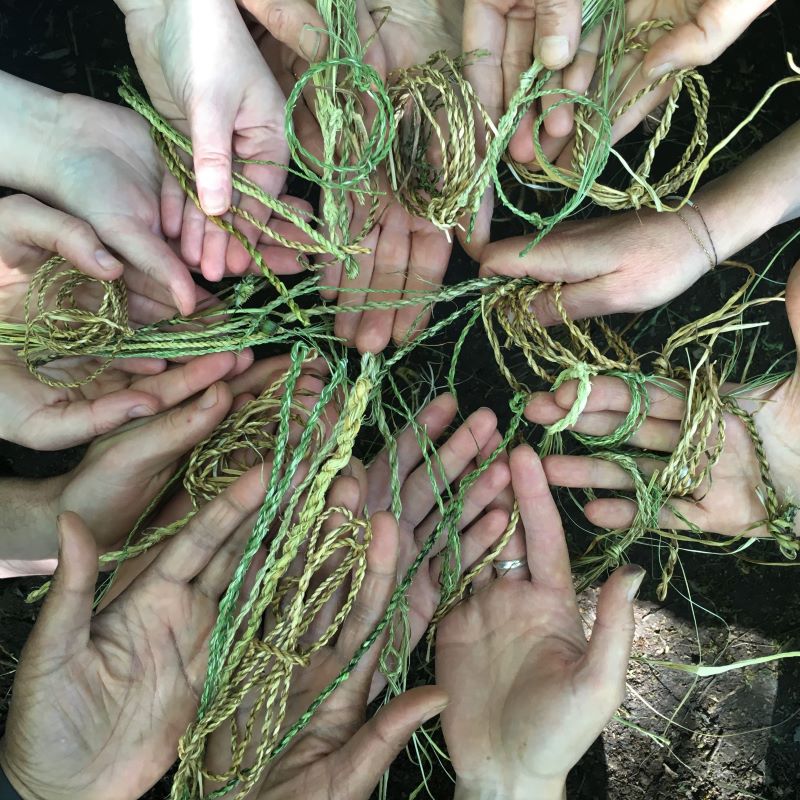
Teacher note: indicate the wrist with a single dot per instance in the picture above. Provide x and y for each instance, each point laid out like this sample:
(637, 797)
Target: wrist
(28, 526)
(26, 133)
(539, 788)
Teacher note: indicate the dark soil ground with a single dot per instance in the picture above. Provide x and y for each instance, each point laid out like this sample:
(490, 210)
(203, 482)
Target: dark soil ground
(733, 736)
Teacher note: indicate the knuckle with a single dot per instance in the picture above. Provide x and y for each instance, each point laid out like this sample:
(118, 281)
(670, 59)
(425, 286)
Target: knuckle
(71, 230)
(277, 19)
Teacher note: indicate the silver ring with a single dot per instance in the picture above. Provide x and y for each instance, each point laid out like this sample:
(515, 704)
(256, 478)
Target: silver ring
(503, 567)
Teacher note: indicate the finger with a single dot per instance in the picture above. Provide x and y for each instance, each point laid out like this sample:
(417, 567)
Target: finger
(545, 262)
(373, 597)
(67, 425)
(476, 541)
(212, 125)
(653, 434)
(583, 472)
(40, 226)
(344, 493)
(63, 626)
(430, 254)
(548, 558)
(576, 78)
(392, 254)
(272, 180)
(295, 23)
(215, 248)
(346, 323)
(667, 401)
(606, 659)
(150, 254)
(517, 58)
(717, 25)
(193, 231)
(558, 30)
(617, 513)
(262, 374)
(434, 419)
(191, 551)
(453, 457)
(484, 29)
(476, 500)
(179, 383)
(173, 201)
(375, 746)
(154, 445)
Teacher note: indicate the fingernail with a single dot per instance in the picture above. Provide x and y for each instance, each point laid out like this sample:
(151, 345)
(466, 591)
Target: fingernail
(214, 201)
(660, 69)
(309, 43)
(106, 260)
(554, 51)
(140, 411)
(635, 579)
(209, 398)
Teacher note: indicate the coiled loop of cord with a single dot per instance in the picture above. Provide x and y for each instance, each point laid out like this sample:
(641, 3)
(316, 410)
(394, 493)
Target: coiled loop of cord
(434, 157)
(57, 326)
(361, 151)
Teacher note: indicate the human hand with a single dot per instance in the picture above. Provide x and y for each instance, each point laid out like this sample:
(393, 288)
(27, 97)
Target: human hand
(551, 694)
(625, 262)
(124, 471)
(130, 677)
(30, 230)
(97, 162)
(407, 254)
(338, 753)
(730, 500)
(703, 30)
(514, 32)
(230, 113)
(482, 522)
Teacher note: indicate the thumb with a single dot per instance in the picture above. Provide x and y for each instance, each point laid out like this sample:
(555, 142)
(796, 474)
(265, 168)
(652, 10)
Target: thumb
(612, 635)
(557, 32)
(62, 627)
(40, 226)
(717, 25)
(377, 743)
(212, 125)
(793, 302)
(154, 444)
(295, 23)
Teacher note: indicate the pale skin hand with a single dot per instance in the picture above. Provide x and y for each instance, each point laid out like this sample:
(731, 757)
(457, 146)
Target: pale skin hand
(704, 29)
(514, 32)
(729, 503)
(407, 253)
(528, 695)
(235, 112)
(121, 472)
(629, 261)
(95, 161)
(128, 679)
(51, 418)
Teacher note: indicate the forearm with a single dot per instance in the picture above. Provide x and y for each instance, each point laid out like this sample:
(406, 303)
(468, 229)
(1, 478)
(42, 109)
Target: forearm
(27, 524)
(761, 193)
(26, 125)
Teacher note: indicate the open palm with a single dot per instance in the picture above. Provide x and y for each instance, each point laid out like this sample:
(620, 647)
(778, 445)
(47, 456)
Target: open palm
(528, 694)
(99, 704)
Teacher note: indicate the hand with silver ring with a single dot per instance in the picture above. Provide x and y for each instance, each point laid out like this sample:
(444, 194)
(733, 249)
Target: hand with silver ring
(551, 692)
(502, 567)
